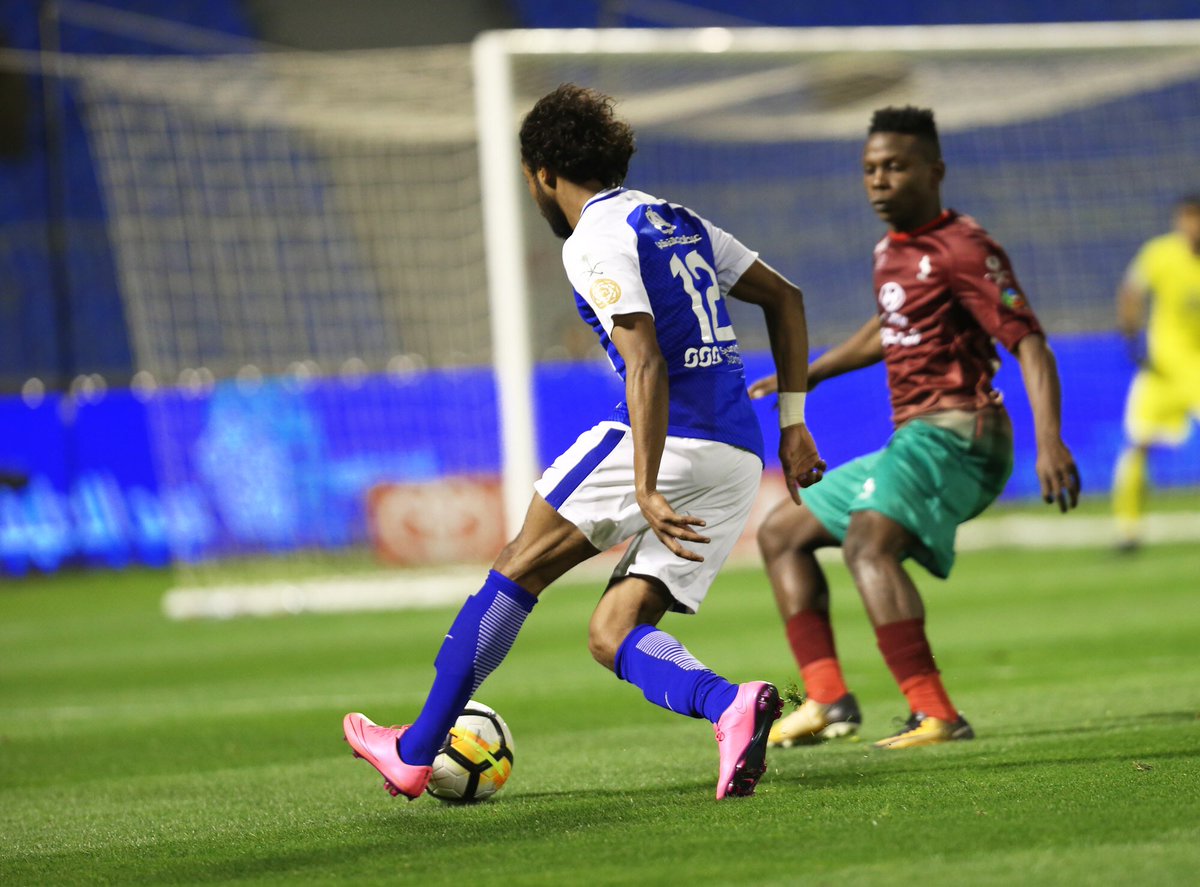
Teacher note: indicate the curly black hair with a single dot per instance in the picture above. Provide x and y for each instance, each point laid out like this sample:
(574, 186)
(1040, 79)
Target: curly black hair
(909, 120)
(572, 132)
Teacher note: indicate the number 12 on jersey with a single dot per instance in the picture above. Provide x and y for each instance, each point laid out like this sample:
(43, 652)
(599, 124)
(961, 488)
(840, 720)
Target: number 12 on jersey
(706, 307)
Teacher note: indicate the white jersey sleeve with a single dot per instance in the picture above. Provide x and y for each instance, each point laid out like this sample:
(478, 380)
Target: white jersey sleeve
(732, 257)
(604, 270)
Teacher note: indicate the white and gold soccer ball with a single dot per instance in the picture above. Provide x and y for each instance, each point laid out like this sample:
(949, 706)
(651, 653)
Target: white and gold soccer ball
(477, 758)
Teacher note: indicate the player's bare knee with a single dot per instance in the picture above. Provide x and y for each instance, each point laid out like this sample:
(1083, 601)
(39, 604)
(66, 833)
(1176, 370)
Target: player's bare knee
(603, 643)
(786, 529)
(862, 547)
(874, 538)
(772, 536)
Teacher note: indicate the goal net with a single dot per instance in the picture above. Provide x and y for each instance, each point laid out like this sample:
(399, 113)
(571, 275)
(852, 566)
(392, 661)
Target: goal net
(347, 316)
(1069, 143)
(299, 249)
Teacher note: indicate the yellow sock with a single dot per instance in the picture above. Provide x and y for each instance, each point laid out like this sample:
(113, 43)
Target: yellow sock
(1129, 492)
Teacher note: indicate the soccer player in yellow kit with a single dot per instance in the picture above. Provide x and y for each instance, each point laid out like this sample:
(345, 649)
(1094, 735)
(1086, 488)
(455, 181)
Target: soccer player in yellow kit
(1165, 394)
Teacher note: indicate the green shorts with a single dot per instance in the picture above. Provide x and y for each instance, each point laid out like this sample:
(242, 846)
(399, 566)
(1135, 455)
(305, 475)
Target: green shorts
(935, 473)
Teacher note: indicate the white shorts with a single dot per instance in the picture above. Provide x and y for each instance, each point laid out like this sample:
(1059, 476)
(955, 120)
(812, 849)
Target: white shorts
(591, 485)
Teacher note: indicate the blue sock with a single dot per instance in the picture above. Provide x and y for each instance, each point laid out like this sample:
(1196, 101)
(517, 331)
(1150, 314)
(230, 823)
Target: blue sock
(477, 642)
(670, 676)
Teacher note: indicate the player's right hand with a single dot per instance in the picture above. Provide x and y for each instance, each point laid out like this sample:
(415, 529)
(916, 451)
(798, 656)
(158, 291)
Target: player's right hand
(763, 387)
(670, 527)
(1058, 475)
(802, 464)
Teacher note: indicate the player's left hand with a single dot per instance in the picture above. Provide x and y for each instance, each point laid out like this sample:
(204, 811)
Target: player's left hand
(1058, 475)
(670, 527)
(763, 387)
(802, 464)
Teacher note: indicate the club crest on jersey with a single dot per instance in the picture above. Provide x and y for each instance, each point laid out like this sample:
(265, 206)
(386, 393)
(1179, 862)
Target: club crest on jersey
(924, 268)
(605, 292)
(659, 222)
(891, 297)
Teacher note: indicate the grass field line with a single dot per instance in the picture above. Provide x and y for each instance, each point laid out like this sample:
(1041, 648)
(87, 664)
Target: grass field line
(1071, 531)
(324, 594)
(440, 588)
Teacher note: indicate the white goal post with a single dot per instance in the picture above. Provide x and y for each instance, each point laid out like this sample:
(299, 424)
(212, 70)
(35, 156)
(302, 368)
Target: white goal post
(720, 86)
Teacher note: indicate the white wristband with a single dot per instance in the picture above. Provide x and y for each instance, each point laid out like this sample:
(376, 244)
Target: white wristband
(791, 408)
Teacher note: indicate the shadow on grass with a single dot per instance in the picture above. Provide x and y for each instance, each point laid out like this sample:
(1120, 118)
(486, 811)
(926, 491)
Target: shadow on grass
(386, 843)
(880, 772)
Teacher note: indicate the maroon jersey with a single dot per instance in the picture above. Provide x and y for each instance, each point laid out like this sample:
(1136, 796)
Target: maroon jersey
(945, 292)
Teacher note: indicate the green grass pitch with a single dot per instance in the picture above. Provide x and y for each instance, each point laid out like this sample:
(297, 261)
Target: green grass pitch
(138, 751)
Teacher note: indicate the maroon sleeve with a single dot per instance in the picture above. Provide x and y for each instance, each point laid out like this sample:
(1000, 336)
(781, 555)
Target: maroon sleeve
(984, 282)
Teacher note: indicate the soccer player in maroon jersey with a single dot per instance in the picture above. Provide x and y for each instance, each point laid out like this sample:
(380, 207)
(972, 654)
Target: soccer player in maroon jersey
(945, 294)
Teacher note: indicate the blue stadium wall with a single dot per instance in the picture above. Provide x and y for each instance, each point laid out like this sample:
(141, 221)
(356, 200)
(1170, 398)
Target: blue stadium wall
(274, 468)
(93, 496)
(788, 13)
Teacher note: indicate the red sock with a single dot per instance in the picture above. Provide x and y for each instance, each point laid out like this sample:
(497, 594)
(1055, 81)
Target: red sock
(811, 637)
(906, 651)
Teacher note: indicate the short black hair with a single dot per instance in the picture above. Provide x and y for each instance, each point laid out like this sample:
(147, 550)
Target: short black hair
(1189, 201)
(573, 132)
(909, 120)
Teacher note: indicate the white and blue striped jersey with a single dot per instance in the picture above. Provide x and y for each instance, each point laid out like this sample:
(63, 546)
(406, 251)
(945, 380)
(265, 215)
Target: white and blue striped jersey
(635, 254)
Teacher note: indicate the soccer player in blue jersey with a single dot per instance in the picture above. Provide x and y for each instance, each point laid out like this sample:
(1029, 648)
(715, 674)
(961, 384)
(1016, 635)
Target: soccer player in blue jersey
(674, 469)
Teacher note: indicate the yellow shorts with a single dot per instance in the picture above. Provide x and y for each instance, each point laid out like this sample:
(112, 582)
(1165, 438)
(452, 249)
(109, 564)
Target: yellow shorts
(1160, 408)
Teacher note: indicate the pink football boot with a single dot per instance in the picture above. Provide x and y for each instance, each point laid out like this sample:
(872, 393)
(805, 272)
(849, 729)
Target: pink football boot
(377, 746)
(742, 738)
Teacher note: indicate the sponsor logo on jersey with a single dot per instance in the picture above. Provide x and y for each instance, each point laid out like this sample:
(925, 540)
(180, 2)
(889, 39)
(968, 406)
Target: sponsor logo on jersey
(711, 356)
(1012, 298)
(890, 336)
(659, 222)
(892, 297)
(924, 268)
(682, 240)
(605, 292)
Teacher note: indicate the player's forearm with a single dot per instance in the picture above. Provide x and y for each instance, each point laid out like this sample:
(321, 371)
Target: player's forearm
(782, 305)
(862, 349)
(787, 329)
(647, 397)
(1039, 369)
